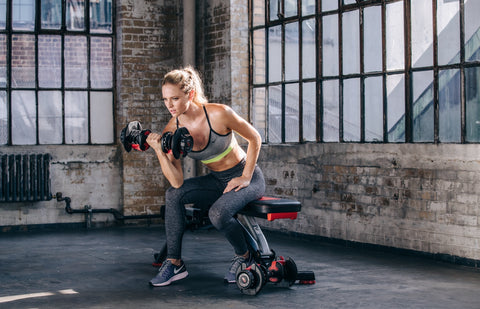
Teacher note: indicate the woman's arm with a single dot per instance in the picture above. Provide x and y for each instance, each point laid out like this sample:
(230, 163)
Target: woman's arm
(171, 167)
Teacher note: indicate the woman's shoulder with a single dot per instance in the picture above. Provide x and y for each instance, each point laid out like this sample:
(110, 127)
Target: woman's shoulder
(217, 108)
(171, 125)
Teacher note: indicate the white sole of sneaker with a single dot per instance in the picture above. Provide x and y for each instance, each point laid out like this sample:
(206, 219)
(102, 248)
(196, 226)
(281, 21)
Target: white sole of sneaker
(180, 276)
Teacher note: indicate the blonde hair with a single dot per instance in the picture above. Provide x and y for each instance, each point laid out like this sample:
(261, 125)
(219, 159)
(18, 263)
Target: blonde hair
(187, 79)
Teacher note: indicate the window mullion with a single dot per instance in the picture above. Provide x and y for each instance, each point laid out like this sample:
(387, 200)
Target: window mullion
(362, 78)
(408, 74)
(435, 75)
(282, 55)
(319, 92)
(62, 66)
(463, 125)
(36, 34)
(8, 28)
(340, 75)
(300, 71)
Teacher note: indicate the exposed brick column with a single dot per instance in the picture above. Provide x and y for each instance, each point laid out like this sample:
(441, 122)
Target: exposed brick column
(147, 47)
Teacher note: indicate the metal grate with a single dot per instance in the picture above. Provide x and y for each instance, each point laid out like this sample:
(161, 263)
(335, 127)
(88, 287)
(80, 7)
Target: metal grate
(25, 178)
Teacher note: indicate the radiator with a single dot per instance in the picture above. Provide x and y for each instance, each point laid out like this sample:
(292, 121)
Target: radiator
(25, 178)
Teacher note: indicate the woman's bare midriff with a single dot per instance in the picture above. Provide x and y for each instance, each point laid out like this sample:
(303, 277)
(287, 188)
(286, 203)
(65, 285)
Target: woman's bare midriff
(229, 161)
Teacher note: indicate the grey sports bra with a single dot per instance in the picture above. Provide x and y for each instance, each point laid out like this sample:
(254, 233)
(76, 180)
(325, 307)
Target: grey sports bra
(218, 145)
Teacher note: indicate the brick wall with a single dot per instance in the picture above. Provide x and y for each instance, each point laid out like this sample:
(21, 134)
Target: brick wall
(415, 197)
(148, 45)
(214, 52)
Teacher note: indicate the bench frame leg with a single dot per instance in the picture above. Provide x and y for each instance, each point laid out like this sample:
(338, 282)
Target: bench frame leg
(255, 237)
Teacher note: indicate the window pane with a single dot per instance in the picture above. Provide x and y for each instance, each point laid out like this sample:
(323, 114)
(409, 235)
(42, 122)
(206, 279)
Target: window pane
(51, 14)
(330, 45)
(3, 14)
(449, 106)
(372, 39)
(50, 127)
(76, 61)
(309, 49)
(258, 12)
(101, 117)
(23, 61)
(292, 113)
(422, 33)
(472, 30)
(50, 61)
(373, 109)
(274, 10)
(75, 14)
(308, 7)
(101, 68)
(101, 16)
(24, 114)
(275, 54)
(275, 114)
(309, 111)
(351, 42)
(423, 106)
(291, 51)
(351, 109)
(290, 8)
(3, 60)
(448, 32)
(3, 118)
(329, 5)
(76, 121)
(396, 108)
(472, 93)
(23, 15)
(330, 111)
(259, 111)
(345, 2)
(394, 36)
(259, 61)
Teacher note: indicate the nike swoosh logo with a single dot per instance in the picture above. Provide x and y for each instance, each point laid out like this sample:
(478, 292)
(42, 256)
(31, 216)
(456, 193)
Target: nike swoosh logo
(177, 270)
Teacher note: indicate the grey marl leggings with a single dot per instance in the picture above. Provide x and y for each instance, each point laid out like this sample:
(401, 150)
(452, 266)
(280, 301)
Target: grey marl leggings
(207, 191)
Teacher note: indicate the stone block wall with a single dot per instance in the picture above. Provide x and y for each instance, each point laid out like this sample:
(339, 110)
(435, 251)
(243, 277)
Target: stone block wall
(410, 196)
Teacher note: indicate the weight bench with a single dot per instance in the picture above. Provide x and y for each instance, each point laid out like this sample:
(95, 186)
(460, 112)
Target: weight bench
(267, 267)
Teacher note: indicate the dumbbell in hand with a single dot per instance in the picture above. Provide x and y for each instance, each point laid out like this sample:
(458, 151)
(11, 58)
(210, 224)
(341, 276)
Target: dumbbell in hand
(179, 142)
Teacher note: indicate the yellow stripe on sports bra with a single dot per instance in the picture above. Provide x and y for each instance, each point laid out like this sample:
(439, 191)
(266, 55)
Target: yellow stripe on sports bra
(220, 156)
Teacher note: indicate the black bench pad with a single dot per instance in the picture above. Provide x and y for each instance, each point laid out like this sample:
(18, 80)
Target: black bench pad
(266, 207)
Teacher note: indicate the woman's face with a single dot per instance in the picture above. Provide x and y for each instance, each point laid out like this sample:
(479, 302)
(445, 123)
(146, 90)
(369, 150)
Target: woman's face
(175, 99)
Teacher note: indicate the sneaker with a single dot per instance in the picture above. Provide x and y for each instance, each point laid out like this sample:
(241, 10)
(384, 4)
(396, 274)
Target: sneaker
(237, 261)
(169, 273)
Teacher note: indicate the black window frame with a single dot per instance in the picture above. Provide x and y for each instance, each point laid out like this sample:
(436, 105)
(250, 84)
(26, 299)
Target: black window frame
(63, 32)
(408, 70)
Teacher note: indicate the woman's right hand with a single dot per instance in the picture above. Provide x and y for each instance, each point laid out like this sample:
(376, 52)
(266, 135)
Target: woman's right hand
(155, 141)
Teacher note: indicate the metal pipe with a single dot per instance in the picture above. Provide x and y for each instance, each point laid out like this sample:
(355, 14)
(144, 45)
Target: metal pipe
(189, 45)
(88, 211)
(189, 32)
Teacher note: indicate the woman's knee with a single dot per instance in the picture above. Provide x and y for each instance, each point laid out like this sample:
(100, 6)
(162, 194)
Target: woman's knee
(218, 218)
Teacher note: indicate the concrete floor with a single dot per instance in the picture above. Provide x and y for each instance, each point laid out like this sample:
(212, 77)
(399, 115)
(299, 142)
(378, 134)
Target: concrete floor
(110, 268)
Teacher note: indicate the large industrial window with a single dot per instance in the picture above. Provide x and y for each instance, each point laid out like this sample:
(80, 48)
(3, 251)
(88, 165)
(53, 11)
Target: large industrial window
(366, 71)
(56, 72)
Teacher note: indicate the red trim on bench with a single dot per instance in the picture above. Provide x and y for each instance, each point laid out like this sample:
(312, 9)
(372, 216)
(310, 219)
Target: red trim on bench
(282, 215)
(268, 198)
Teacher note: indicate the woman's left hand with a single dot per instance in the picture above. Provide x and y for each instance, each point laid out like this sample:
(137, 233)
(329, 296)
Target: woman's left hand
(237, 184)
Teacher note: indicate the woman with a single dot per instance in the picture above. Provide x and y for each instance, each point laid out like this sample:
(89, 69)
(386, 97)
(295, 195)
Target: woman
(234, 178)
